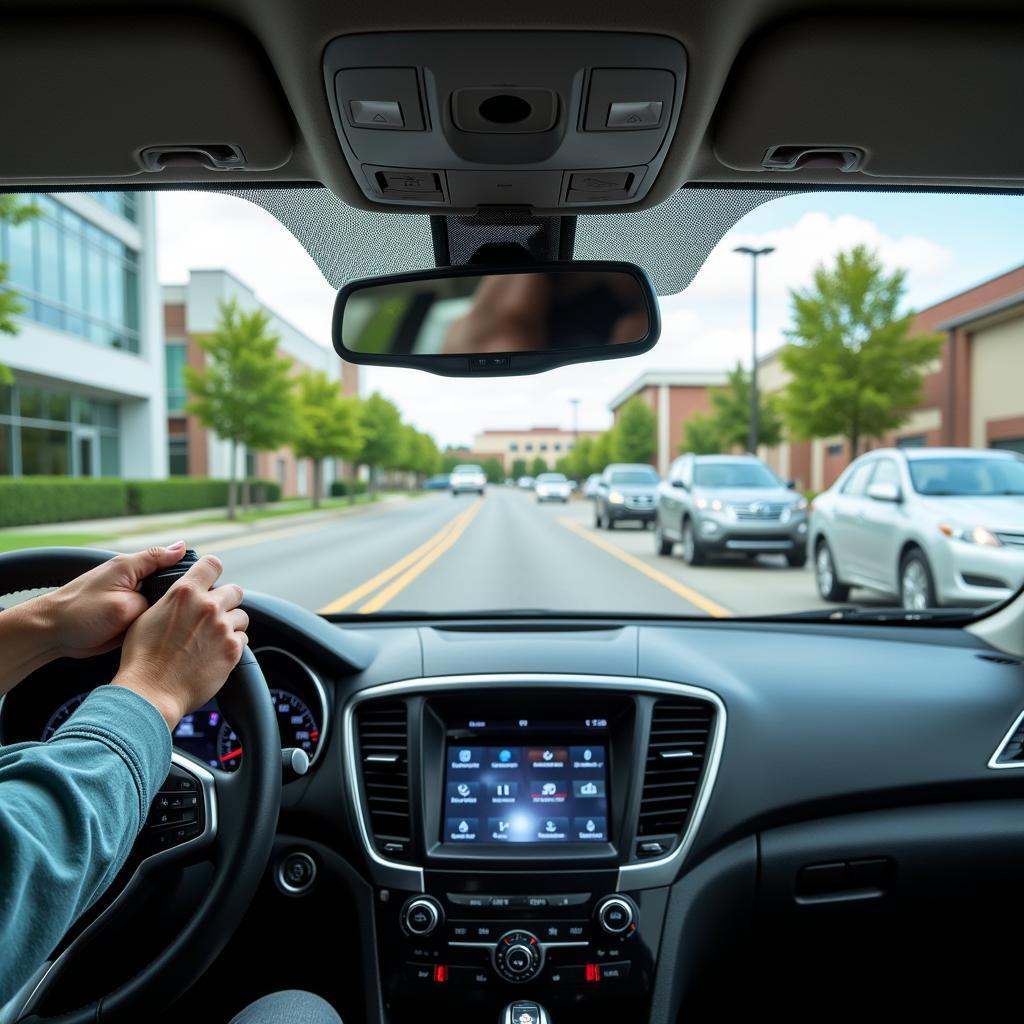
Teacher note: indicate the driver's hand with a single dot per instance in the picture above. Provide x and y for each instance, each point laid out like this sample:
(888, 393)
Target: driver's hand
(179, 653)
(90, 614)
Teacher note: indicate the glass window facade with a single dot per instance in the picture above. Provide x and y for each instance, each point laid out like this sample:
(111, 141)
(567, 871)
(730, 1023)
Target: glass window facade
(72, 276)
(124, 204)
(177, 455)
(175, 358)
(52, 432)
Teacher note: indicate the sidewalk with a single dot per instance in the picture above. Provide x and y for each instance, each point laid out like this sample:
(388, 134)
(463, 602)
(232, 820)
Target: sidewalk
(129, 533)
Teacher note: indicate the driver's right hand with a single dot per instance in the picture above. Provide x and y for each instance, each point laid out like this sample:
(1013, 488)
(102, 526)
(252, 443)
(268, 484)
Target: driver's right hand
(179, 653)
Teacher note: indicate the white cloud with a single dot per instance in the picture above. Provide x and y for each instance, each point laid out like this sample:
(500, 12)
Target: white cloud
(705, 327)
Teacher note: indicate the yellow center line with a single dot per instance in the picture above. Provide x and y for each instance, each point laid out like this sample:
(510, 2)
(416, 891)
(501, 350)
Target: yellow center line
(705, 604)
(364, 589)
(393, 589)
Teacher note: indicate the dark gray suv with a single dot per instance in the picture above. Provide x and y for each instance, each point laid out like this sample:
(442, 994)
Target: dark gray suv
(625, 491)
(719, 504)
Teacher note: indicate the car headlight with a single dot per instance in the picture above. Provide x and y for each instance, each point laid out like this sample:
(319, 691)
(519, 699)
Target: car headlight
(799, 505)
(713, 504)
(616, 498)
(970, 535)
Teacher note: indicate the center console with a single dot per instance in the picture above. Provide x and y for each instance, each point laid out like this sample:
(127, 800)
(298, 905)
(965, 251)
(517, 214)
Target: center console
(521, 833)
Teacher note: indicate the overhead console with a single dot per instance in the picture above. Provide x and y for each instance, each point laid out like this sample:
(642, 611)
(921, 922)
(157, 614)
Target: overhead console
(454, 122)
(521, 831)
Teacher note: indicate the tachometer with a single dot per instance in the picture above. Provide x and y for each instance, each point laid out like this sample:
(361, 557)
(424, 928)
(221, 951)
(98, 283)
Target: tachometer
(62, 714)
(295, 721)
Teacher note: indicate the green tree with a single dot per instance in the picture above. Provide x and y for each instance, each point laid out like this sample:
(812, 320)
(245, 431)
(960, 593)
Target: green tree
(635, 432)
(493, 470)
(13, 211)
(244, 393)
(425, 458)
(603, 451)
(566, 465)
(381, 427)
(326, 425)
(518, 468)
(701, 436)
(730, 414)
(854, 368)
(538, 466)
(582, 459)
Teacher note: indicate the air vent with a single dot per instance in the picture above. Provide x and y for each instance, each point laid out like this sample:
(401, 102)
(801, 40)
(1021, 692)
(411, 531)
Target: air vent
(384, 762)
(676, 756)
(1000, 659)
(1010, 753)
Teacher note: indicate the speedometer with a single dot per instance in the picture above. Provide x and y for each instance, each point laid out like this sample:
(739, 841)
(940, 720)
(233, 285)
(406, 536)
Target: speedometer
(295, 721)
(62, 714)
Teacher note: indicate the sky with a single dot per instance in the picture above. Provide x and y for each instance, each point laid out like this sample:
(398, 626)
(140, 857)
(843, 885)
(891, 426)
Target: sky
(945, 243)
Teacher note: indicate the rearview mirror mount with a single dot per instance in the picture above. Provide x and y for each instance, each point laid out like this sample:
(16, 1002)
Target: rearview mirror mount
(483, 321)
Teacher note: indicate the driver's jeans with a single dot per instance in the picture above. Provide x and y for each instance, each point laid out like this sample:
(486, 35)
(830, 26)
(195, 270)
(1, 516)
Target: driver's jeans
(288, 1008)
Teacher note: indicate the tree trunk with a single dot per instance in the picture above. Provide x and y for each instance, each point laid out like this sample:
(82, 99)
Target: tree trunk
(854, 440)
(318, 468)
(232, 496)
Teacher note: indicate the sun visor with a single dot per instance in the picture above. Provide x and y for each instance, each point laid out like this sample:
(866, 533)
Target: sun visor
(106, 96)
(890, 98)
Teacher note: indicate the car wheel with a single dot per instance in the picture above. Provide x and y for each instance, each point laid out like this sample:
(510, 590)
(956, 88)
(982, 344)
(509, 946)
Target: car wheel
(609, 522)
(662, 545)
(830, 587)
(693, 553)
(797, 559)
(597, 517)
(917, 587)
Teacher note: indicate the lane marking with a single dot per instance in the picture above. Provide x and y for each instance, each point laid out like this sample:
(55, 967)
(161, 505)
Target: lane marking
(395, 588)
(369, 586)
(705, 604)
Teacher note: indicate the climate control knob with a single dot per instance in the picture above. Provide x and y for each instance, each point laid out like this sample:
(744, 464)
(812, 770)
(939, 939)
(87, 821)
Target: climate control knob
(421, 916)
(616, 915)
(518, 956)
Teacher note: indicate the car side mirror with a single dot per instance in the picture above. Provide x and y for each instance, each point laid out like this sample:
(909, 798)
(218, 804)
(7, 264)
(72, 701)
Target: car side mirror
(680, 484)
(885, 492)
(791, 484)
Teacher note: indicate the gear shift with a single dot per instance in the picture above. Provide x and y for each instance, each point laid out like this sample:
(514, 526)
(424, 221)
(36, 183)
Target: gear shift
(524, 1011)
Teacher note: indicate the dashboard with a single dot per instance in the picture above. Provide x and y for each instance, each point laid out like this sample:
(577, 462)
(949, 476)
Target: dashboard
(589, 814)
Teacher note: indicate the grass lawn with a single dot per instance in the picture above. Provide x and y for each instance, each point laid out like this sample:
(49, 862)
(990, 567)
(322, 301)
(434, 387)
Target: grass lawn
(17, 541)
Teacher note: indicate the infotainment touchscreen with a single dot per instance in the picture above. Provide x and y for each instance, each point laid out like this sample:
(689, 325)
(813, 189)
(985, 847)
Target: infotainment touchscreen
(540, 789)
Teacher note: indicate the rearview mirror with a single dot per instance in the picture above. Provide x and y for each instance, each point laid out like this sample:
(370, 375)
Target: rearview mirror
(487, 321)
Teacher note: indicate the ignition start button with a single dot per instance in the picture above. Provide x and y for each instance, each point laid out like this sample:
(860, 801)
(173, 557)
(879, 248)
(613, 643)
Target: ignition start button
(296, 873)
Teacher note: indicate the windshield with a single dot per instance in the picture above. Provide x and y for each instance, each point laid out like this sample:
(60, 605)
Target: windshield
(734, 474)
(968, 478)
(625, 477)
(167, 371)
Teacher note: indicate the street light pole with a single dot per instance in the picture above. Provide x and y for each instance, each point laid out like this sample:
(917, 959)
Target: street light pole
(574, 402)
(747, 250)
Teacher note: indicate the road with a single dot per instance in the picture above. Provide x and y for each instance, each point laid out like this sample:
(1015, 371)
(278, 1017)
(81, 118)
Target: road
(501, 552)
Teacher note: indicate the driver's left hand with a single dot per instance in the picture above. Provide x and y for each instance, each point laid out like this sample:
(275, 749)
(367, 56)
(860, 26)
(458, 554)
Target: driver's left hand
(90, 614)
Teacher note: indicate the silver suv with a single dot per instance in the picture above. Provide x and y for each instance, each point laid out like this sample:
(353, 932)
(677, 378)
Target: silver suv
(721, 504)
(935, 526)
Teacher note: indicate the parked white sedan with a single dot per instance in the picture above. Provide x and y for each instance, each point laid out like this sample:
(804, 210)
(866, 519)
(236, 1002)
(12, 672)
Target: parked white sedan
(935, 526)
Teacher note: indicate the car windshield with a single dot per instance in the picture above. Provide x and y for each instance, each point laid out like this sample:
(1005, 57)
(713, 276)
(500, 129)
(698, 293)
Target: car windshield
(626, 477)
(734, 474)
(968, 478)
(167, 369)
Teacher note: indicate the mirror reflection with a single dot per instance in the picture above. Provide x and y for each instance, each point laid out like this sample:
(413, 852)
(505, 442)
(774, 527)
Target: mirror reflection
(497, 312)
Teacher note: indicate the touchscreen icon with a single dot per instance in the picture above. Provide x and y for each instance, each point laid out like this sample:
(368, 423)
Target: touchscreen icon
(588, 754)
(549, 789)
(505, 756)
(588, 789)
(463, 826)
(503, 789)
(548, 755)
(590, 826)
(463, 789)
(465, 756)
(550, 826)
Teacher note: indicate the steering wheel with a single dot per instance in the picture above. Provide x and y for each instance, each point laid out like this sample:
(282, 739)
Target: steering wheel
(234, 830)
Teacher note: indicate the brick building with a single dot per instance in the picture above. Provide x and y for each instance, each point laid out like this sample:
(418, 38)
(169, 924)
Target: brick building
(191, 310)
(674, 396)
(972, 397)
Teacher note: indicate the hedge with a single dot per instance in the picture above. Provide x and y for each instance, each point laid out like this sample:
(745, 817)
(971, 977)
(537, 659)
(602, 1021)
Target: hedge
(341, 488)
(180, 494)
(53, 499)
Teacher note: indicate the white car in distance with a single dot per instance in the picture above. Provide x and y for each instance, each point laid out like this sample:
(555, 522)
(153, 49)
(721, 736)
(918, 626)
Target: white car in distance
(552, 487)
